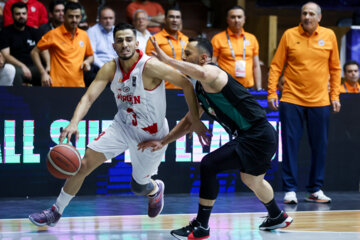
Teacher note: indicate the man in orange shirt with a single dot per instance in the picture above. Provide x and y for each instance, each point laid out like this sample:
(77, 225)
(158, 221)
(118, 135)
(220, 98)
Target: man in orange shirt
(70, 52)
(154, 10)
(170, 39)
(237, 51)
(310, 55)
(351, 83)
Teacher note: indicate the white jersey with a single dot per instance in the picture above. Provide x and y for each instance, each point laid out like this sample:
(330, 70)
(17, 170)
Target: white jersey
(138, 107)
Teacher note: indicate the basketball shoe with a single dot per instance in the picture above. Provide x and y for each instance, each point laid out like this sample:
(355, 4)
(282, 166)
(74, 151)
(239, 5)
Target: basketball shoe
(281, 221)
(290, 198)
(48, 217)
(318, 197)
(156, 202)
(193, 231)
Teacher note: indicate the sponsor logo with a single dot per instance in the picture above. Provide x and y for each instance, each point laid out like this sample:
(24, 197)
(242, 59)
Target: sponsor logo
(321, 42)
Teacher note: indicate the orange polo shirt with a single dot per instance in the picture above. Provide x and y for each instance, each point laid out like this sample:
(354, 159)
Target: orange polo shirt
(179, 45)
(221, 50)
(310, 61)
(347, 88)
(66, 55)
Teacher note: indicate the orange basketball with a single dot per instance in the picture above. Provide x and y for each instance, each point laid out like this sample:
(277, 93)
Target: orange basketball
(63, 161)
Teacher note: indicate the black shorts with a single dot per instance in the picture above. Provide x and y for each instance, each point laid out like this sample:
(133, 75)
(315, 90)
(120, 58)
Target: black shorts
(255, 148)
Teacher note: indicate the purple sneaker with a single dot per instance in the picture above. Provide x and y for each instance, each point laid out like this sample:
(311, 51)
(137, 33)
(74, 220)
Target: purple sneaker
(156, 203)
(47, 217)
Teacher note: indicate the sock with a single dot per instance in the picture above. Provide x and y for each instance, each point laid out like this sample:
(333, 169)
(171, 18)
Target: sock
(63, 200)
(272, 208)
(204, 215)
(155, 190)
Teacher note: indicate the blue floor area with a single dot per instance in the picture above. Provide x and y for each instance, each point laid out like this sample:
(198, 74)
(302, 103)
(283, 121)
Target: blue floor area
(114, 205)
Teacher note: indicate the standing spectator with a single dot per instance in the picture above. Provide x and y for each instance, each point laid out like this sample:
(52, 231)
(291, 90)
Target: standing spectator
(154, 10)
(83, 22)
(37, 14)
(101, 38)
(56, 15)
(237, 51)
(16, 43)
(170, 39)
(351, 82)
(140, 22)
(7, 72)
(70, 51)
(310, 55)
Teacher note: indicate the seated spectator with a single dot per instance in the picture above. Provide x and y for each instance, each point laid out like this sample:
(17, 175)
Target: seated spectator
(7, 72)
(37, 14)
(154, 10)
(170, 39)
(140, 22)
(351, 81)
(16, 43)
(70, 51)
(56, 16)
(83, 22)
(102, 39)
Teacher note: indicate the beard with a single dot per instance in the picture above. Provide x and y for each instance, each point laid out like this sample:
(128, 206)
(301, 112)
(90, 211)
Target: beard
(127, 58)
(20, 23)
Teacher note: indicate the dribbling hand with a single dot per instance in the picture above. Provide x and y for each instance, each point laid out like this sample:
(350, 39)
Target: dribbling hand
(68, 132)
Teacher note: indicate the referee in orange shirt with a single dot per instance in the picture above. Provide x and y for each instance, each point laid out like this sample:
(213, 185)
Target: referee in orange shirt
(310, 55)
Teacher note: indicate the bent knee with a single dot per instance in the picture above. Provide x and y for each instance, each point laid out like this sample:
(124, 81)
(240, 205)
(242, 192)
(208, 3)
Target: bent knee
(141, 189)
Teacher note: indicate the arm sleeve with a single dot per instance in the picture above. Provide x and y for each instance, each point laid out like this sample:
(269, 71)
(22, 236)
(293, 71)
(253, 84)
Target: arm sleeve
(8, 20)
(45, 42)
(335, 70)
(276, 67)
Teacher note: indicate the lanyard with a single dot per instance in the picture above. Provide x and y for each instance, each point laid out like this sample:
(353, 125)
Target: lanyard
(172, 48)
(231, 48)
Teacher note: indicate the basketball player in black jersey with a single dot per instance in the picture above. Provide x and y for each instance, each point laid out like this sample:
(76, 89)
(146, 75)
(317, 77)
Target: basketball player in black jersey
(251, 149)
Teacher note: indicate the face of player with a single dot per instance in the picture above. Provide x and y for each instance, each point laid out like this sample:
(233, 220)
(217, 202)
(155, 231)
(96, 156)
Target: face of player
(310, 17)
(191, 53)
(173, 21)
(141, 21)
(125, 44)
(236, 20)
(20, 17)
(58, 14)
(352, 73)
(72, 19)
(107, 19)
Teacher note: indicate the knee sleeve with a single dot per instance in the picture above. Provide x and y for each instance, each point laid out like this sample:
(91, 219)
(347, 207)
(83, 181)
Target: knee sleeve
(140, 189)
(209, 186)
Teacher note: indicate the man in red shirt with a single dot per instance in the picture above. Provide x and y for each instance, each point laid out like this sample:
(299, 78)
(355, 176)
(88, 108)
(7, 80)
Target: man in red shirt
(37, 14)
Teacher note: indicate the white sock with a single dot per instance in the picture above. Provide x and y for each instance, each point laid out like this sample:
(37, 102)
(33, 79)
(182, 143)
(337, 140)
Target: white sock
(63, 200)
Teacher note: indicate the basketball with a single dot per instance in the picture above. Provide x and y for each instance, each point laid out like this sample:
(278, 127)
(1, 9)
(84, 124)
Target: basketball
(63, 161)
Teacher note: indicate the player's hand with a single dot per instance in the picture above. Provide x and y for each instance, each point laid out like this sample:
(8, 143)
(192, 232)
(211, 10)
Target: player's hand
(46, 80)
(68, 132)
(273, 103)
(202, 131)
(158, 53)
(153, 144)
(336, 106)
(85, 66)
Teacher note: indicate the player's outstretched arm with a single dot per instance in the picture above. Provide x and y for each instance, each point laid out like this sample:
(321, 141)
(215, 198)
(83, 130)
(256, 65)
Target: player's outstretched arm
(103, 77)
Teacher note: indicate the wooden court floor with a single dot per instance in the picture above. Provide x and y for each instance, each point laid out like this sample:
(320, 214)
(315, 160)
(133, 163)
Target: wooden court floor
(321, 223)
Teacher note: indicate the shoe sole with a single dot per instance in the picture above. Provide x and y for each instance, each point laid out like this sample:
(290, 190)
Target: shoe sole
(284, 224)
(317, 200)
(186, 238)
(162, 205)
(36, 223)
(290, 202)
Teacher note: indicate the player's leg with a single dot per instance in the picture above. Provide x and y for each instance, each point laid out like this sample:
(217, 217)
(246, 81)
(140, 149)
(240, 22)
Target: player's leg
(108, 145)
(222, 159)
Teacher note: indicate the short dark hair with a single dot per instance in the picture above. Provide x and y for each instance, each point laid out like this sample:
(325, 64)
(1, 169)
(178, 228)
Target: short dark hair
(72, 6)
(203, 44)
(234, 8)
(124, 26)
(18, 5)
(172, 8)
(350, 62)
(53, 3)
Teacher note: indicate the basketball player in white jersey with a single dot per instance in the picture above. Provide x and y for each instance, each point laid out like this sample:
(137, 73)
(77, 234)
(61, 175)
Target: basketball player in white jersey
(139, 89)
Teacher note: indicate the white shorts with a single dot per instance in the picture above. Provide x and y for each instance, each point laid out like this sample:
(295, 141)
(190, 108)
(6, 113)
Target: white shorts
(119, 137)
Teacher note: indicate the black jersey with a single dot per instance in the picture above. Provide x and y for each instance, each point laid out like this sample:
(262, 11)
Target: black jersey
(234, 107)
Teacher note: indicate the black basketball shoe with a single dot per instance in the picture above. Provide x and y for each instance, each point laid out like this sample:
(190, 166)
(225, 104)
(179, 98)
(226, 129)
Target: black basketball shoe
(281, 221)
(193, 231)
